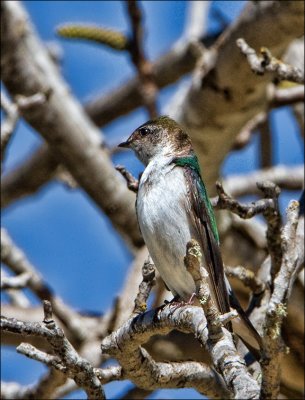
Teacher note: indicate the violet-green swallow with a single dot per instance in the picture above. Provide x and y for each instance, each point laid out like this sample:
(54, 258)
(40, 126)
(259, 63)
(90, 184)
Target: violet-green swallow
(173, 207)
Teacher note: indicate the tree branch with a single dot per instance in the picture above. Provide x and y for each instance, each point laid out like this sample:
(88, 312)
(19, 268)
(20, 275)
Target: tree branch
(277, 308)
(286, 177)
(222, 97)
(148, 88)
(268, 63)
(62, 121)
(226, 202)
(132, 182)
(9, 123)
(124, 344)
(70, 362)
(15, 282)
(148, 281)
(17, 261)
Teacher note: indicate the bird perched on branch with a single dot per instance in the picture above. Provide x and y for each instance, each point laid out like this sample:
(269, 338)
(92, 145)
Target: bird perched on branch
(173, 207)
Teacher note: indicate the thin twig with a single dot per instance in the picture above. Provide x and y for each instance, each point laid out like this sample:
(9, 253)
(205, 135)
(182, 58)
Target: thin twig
(247, 277)
(265, 143)
(266, 62)
(143, 66)
(226, 202)
(245, 134)
(16, 260)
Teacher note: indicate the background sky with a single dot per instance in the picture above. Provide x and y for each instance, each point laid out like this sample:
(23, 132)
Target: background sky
(62, 232)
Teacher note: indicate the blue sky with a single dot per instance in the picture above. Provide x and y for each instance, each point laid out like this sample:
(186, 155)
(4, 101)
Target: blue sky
(62, 232)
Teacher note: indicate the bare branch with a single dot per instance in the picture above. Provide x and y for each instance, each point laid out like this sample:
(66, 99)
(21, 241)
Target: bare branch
(287, 96)
(268, 207)
(247, 277)
(43, 389)
(196, 20)
(245, 134)
(29, 176)
(266, 62)
(265, 143)
(277, 307)
(9, 123)
(276, 98)
(136, 393)
(62, 121)
(17, 261)
(70, 362)
(222, 97)
(274, 225)
(31, 352)
(124, 344)
(226, 202)
(286, 177)
(15, 282)
(144, 67)
(125, 302)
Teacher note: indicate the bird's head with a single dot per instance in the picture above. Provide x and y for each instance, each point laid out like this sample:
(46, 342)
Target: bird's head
(158, 137)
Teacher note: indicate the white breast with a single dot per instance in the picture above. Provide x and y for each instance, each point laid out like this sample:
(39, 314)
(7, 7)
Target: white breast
(164, 224)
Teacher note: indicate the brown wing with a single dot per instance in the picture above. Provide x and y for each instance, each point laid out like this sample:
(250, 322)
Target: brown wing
(200, 214)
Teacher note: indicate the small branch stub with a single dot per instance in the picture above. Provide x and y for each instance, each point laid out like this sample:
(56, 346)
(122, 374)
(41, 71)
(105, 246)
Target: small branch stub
(148, 281)
(48, 314)
(132, 182)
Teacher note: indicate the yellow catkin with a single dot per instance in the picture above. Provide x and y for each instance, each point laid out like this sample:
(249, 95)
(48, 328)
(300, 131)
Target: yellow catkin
(108, 37)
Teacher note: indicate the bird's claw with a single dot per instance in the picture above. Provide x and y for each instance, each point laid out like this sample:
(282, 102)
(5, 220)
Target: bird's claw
(178, 304)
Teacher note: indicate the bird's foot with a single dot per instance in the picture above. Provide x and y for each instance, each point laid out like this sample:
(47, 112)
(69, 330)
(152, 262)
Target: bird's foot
(181, 303)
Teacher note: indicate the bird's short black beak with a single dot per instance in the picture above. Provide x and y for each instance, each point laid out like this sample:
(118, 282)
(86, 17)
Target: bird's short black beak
(124, 144)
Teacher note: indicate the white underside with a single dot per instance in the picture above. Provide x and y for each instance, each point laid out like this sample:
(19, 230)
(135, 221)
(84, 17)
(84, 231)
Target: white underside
(165, 226)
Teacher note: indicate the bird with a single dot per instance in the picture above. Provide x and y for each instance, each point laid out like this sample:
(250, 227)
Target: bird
(173, 207)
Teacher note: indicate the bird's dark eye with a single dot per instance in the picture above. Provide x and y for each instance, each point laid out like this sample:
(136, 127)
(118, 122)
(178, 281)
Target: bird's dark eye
(144, 131)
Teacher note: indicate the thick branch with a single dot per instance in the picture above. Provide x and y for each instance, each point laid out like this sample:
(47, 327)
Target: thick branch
(124, 345)
(29, 176)
(277, 307)
(62, 121)
(225, 94)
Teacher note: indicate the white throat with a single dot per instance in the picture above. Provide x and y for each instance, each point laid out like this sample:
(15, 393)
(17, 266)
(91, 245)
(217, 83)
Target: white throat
(159, 164)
